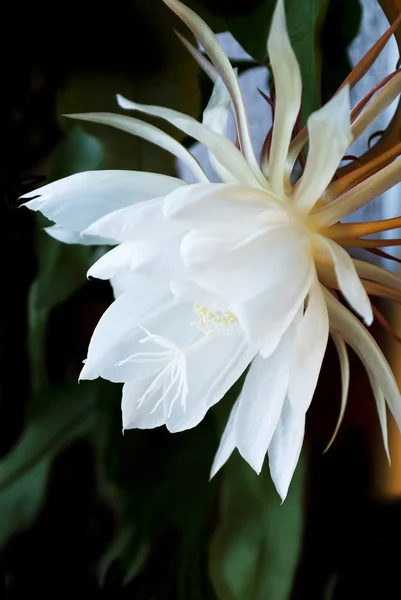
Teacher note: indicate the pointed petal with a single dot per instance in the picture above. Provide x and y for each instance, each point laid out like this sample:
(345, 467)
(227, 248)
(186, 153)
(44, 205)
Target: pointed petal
(329, 137)
(211, 372)
(378, 274)
(356, 336)
(384, 97)
(288, 86)
(344, 366)
(285, 448)
(348, 279)
(381, 411)
(117, 331)
(223, 150)
(215, 117)
(137, 416)
(74, 237)
(227, 443)
(148, 132)
(309, 350)
(202, 61)
(128, 256)
(142, 221)
(223, 66)
(76, 201)
(261, 402)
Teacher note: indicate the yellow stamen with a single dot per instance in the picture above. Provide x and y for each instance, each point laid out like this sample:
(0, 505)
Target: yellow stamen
(209, 321)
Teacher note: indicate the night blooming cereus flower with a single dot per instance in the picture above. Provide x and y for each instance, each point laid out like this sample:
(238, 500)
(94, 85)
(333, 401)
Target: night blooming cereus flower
(212, 278)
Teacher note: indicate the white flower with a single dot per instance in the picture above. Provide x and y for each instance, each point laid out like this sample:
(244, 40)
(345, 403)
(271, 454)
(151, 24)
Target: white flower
(210, 278)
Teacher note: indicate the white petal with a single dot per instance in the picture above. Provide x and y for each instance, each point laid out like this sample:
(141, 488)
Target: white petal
(124, 281)
(329, 137)
(224, 151)
(74, 237)
(223, 66)
(142, 221)
(218, 202)
(266, 317)
(139, 416)
(376, 273)
(128, 256)
(78, 200)
(117, 331)
(211, 372)
(285, 448)
(159, 258)
(215, 117)
(227, 443)
(242, 268)
(344, 365)
(348, 279)
(309, 349)
(200, 58)
(381, 411)
(261, 402)
(148, 132)
(356, 336)
(288, 89)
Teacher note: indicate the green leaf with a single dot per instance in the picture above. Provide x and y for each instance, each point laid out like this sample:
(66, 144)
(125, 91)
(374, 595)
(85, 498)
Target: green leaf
(304, 18)
(61, 267)
(58, 416)
(255, 549)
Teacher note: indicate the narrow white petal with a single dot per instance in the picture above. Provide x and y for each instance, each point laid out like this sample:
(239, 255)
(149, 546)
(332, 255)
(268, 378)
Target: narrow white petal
(359, 195)
(285, 448)
(288, 88)
(329, 137)
(348, 279)
(261, 402)
(76, 201)
(147, 132)
(227, 443)
(309, 350)
(215, 117)
(200, 58)
(344, 366)
(222, 148)
(381, 411)
(223, 66)
(356, 336)
(376, 273)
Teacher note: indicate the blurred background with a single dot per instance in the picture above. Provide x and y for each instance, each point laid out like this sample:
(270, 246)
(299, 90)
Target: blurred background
(84, 508)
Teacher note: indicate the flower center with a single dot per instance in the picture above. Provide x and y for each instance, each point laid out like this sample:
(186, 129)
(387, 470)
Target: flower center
(209, 322)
